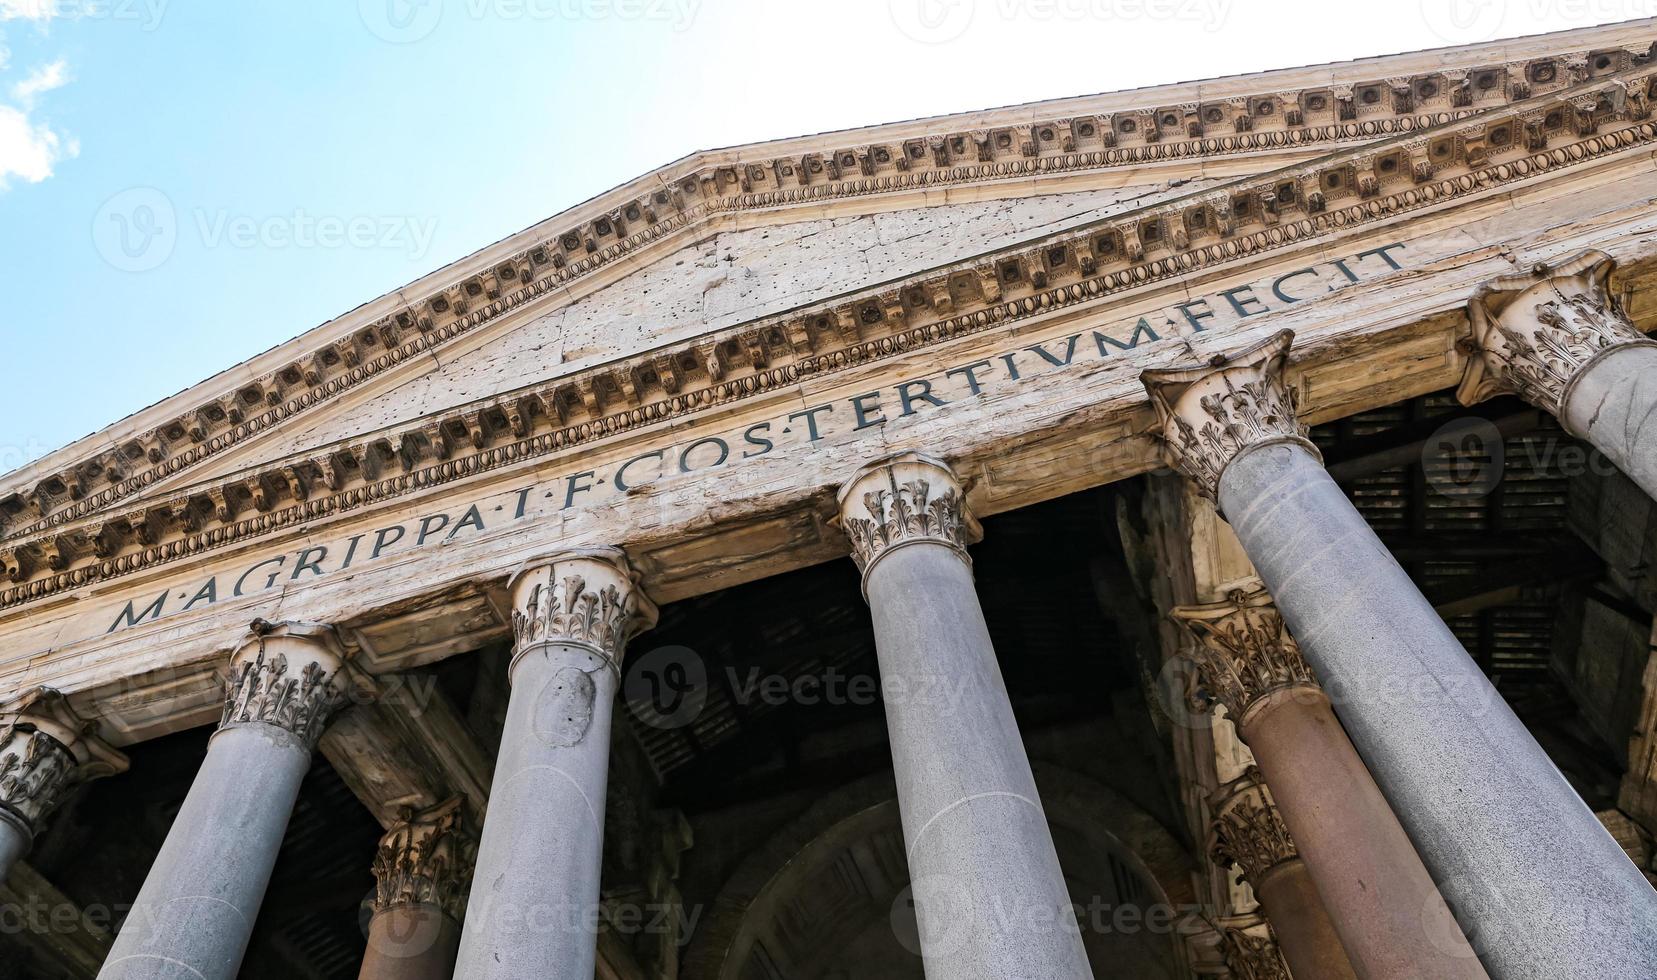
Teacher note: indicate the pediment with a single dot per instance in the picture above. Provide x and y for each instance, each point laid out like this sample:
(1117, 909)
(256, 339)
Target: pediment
(660, 305)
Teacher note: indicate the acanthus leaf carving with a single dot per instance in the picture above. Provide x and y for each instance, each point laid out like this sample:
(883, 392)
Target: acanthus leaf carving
(588, 598)
(426, 859)
(1535, 335)
(906, 499)
(288, 675)
(1209, 415)
(1248, 831)
(1243, 650)
(45, 747)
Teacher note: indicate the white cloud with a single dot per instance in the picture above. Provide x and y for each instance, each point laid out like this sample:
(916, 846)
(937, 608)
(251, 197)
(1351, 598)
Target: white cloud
(29, 149)
(40, 80)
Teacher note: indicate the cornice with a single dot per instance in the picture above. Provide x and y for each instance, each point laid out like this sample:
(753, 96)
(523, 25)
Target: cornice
(1326, 107)
(1174, 238)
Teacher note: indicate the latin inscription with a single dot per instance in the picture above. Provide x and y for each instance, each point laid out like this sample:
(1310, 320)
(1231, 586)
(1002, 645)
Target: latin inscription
(932, 392)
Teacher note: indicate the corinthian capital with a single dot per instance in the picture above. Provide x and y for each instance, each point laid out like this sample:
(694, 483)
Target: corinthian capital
(1251, 951)
(1243, 651)
(1207, 416)
(588, 598)
(1534, 335)
(1249, 832)
(45, 747)
(427, 860)
(909, 498)
(290, 675)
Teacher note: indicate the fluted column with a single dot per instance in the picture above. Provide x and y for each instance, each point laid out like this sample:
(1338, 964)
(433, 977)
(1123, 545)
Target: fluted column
(1556, 339)
(193, 916)
(989, 896)
(533, 910)
(1249, 832)
(1378, 894)
(1541, 888)
(45, 748)
(422, 871)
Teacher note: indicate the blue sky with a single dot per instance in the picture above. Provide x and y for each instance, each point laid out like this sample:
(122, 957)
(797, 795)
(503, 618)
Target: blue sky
(184, 183)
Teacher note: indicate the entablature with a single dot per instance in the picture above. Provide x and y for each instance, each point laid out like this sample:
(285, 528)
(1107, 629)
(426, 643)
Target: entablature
(1170, 240)
(1274, 116)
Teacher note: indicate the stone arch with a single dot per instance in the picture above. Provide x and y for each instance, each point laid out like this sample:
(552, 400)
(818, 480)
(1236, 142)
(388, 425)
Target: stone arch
(823, 898)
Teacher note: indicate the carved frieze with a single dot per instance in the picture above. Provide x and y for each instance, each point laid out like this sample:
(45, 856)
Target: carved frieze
(588, 597)
(1243, 650)
(905, 499)
(290, 675)
(1248, 831)
(1208, 415)
(427, 859)
(1534, 335)
(44, 748)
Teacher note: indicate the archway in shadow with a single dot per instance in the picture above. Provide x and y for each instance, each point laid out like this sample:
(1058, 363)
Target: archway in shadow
(826, 898)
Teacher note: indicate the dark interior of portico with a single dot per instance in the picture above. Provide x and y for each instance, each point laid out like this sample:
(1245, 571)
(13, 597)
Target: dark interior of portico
(767, 811)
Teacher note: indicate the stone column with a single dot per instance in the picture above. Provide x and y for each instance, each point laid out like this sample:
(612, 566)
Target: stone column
(1384, 906)
(1541, 888)
(422, 871)
(989, 896)
(1556, 339)
(1249, 832)
(534, 910)
(45, 748)
(196, 910)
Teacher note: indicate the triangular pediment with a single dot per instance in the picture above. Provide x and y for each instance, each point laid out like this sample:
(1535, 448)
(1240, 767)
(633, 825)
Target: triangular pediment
(729, 270)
